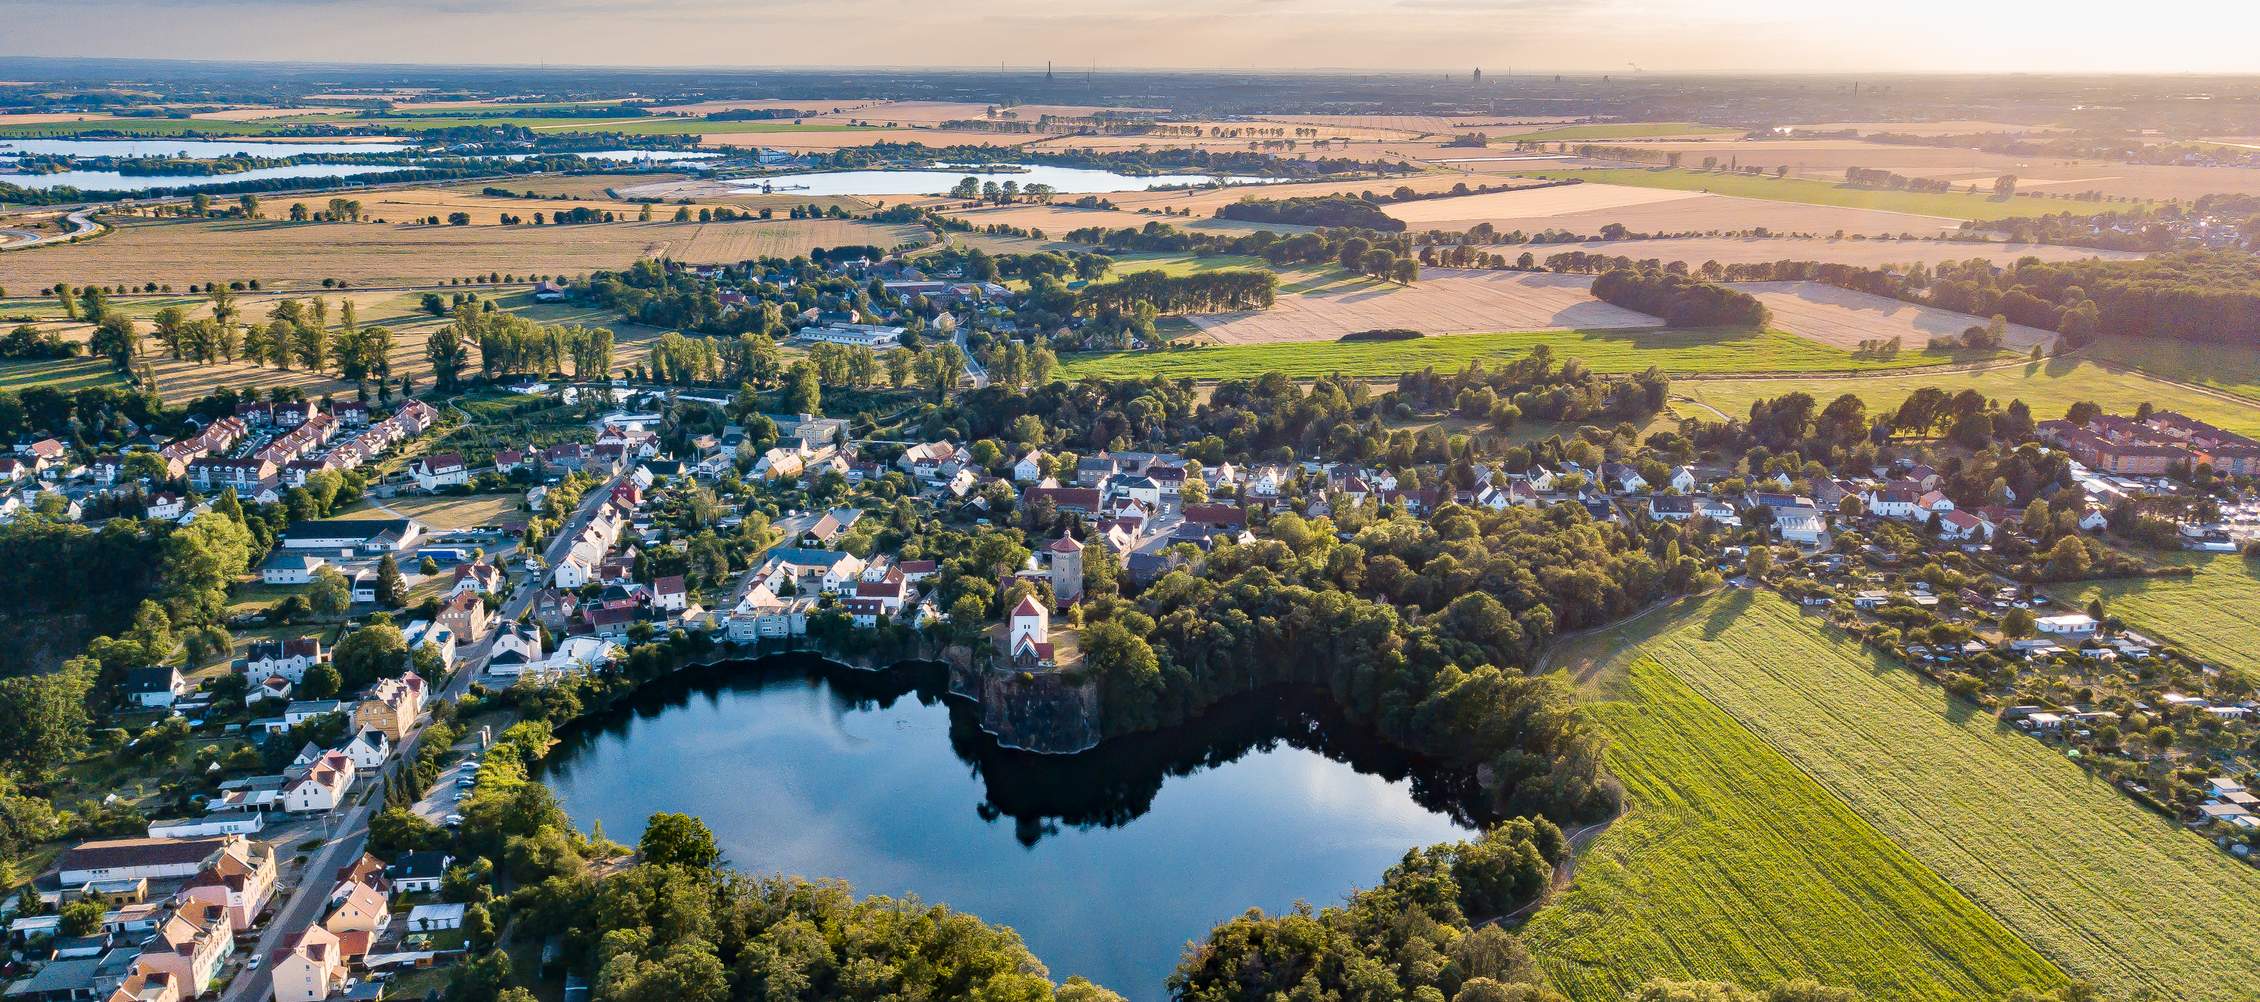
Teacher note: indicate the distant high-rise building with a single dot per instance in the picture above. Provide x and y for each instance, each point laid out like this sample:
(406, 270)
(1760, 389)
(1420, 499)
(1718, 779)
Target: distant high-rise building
(1479, 75)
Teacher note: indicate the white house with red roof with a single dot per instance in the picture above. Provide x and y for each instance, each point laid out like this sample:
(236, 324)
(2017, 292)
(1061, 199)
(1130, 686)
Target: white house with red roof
(1028, 636)
(444, 469)
(322, 787)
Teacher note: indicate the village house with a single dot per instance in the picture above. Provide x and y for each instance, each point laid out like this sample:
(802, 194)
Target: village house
(418, 872)
(289, 659)
(292, 569)
(476, 579)
(320, 786)
(465, 614)
(391, 706)
(154, 687)
(356, 906)
(240, 878)
(191, 945)
(444, 469)
(310, 966)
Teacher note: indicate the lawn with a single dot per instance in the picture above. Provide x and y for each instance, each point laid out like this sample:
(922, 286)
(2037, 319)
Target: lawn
(2110, 892)
(1956, 205)
(1604, 351)
(1732, 865)
(2048, 387)
(2211, 616)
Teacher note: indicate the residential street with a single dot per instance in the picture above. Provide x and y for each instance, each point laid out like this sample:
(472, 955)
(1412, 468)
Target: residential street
(351, 831)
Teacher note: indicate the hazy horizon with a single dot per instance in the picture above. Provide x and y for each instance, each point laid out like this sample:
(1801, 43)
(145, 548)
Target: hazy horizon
(1589, 36)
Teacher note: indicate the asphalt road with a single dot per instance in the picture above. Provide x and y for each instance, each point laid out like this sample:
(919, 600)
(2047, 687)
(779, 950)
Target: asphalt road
(350, 831)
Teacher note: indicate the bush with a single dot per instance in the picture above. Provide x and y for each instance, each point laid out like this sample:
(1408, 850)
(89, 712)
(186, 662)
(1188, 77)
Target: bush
(1385, 334)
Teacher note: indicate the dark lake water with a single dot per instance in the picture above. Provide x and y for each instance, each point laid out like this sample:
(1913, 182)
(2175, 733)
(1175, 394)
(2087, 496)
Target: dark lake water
(1106, 862)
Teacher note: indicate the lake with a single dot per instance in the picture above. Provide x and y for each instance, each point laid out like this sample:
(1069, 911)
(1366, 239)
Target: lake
(110, 180)
(939, 180)
(1106, 862)
(204, 148)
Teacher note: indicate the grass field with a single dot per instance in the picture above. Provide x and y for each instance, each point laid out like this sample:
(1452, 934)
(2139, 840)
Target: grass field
(1958, 205)
(1603, 350)
(62, 374)
(1732, 865)
(2108, 891)
(2048, 387)
(2213, 616)
(2230, 368)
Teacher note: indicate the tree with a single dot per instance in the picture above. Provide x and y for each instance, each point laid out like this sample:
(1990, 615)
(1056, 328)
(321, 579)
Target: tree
(376, 651)
(250, 206)
(2017, 624)
(115, 339)
(332, 593)
(398, 829)
(82, 917)
(392, 587)
(678, 840)
(803, 395)
(1759, 563)
(2069, 559)
(448, 353)
(321, 682)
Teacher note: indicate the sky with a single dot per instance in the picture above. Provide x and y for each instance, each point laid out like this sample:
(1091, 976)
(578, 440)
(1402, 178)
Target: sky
(1691, 36)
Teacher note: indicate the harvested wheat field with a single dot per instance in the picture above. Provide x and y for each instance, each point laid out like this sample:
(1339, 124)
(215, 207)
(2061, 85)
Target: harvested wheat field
(1444, 301)
(584, 186)
(1466, 210)
(1956, 128)
(1843, 318)
(1727, 215)
(1868, 253)
(825, 142)
(300, 255)
(819, 106)
(1827, 159)
(1205, 201)
(1426, 124)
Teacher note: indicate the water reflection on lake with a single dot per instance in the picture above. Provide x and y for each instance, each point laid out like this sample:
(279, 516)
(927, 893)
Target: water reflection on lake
(1106, 862)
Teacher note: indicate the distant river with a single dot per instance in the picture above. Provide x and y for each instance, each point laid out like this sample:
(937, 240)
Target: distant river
(939, 180)
(1106, 862)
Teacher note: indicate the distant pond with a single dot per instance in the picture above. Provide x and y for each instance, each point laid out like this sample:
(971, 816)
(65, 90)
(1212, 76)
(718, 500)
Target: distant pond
(939, 180)
(1106, 862)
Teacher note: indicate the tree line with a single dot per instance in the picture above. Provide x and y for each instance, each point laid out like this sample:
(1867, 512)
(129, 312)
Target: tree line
(1681, 301)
